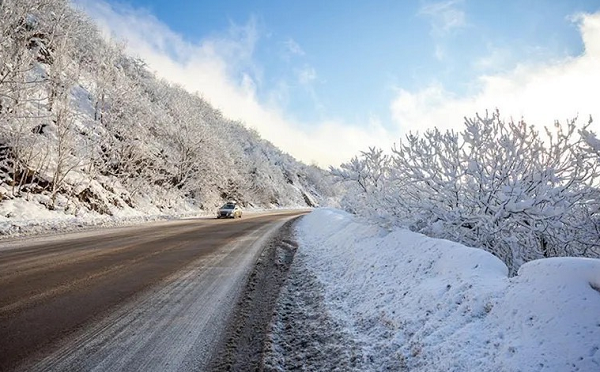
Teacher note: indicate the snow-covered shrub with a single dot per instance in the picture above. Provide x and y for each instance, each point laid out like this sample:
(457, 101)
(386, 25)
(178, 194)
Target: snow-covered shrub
(499, 185)
(367, 189)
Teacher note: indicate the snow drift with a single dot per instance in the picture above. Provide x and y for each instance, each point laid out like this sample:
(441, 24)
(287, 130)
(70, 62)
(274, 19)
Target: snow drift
(432, 305)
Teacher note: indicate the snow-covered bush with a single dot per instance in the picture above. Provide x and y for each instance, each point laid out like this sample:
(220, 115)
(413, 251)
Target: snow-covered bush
(367, 179)
(499, 185)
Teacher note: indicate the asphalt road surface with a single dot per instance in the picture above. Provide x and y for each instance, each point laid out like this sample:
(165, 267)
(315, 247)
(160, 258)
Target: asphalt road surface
(149, 298)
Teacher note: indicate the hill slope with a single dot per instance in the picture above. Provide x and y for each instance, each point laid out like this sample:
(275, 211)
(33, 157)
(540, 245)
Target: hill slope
(86, 130)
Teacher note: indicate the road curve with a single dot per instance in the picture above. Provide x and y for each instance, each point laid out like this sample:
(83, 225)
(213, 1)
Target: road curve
(147, 298)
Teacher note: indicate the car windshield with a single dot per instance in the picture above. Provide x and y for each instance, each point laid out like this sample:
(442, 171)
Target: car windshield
(228, 206)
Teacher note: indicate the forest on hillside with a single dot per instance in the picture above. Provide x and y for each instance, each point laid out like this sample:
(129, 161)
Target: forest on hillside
(86, 128)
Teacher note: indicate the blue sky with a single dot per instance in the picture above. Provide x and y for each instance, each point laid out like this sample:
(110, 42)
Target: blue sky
(306, 74)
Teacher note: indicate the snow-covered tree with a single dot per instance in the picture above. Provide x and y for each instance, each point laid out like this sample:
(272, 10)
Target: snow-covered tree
(83, 123)
(500, 185)
(367, 180)
(23, 47)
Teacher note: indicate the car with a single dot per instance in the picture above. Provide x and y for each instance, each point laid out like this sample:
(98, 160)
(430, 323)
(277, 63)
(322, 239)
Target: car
(230, 210)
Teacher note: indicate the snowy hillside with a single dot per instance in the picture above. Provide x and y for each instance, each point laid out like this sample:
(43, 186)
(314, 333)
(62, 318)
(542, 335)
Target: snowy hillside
(87, 132)
(417, 303)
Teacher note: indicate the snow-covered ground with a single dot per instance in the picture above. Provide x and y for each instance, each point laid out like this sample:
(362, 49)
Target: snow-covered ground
(19, 217)
(426, 304)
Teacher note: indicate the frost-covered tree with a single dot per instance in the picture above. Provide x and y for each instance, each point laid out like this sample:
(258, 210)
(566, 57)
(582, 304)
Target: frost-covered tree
(500, 185)
(23, 47)
(83, 123)
(367, 181)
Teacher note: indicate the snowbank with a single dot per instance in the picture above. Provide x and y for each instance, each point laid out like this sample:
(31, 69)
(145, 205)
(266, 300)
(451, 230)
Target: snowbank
(19, 217)
(420, 303)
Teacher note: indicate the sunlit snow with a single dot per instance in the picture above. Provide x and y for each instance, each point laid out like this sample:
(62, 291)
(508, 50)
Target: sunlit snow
(434, 305)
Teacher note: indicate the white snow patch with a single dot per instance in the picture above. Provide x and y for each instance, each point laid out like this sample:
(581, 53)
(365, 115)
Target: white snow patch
(21, 217)
(434, 305)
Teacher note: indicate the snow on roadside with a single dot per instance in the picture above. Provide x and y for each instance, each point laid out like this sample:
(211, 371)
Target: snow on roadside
(19, 217)
(431, 305)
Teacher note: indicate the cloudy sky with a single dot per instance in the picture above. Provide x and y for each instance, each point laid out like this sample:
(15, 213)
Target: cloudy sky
(324, 80)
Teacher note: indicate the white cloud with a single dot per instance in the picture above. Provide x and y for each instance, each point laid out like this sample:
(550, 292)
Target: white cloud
(293, 47)
(223, 71)
(445, 16)
(540, 93)
(307, 75)
(496, 59)
(440, 52)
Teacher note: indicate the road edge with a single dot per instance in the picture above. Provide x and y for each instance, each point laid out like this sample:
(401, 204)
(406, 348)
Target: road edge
(242, 346)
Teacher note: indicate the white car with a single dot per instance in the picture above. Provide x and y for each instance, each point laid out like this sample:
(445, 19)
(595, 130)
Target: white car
(230, 210)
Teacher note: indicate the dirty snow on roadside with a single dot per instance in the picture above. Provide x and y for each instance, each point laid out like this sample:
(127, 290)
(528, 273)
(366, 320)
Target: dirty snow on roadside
(399, 300)
(303, 334)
